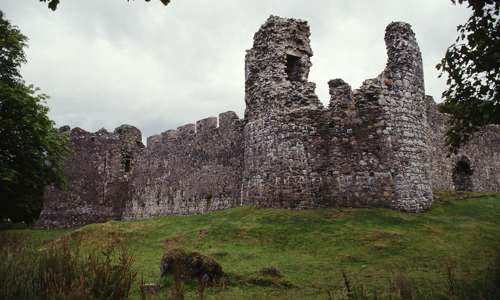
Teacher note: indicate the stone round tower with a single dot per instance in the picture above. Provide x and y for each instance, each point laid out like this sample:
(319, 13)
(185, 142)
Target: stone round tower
(276, 84)
(400, 92)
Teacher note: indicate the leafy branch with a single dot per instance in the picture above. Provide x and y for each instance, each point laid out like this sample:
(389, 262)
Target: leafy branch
(53, 3)
(472, 66)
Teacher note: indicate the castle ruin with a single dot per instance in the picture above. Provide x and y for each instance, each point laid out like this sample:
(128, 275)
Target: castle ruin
(378, 146)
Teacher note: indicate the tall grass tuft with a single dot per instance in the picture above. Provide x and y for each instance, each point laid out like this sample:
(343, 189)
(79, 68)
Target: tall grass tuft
(14, 266)
(62, 270)
(352, 292)
(403, 285)
(487, 286)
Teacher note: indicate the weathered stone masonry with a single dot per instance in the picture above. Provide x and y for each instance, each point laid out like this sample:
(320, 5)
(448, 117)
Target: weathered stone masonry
(367, 149)
(477, 165)
(378, 146)
(194, 169)
(99, 178)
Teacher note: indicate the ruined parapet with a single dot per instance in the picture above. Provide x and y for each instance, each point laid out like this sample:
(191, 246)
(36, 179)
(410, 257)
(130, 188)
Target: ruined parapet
(367, 149)
(358, 157)
(404, 60)
(277, 69)
(392, 109)
(98, 174)
(341, 96)
(298, 154)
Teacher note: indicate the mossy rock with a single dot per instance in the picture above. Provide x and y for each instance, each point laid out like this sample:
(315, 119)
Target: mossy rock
(188, 264)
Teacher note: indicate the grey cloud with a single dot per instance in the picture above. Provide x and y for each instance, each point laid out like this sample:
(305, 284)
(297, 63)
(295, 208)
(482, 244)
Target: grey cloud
(111, 62)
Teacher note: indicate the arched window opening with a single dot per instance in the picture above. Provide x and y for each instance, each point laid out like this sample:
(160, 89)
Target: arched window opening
(462, 175)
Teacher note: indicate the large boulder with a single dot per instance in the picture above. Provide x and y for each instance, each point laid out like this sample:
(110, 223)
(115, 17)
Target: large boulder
(188, 264)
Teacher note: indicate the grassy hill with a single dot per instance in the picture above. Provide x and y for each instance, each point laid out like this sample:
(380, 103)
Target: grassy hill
(449, 252)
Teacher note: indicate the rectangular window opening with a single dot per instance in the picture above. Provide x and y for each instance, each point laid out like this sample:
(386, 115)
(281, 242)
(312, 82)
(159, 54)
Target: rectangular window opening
(292, 67)
(128, 166)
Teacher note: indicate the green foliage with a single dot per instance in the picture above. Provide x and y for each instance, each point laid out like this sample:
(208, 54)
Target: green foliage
(53, 3)
(472, 65)
(32, 152)
(12, 44)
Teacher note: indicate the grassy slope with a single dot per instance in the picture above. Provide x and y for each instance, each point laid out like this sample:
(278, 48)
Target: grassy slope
(379, 249)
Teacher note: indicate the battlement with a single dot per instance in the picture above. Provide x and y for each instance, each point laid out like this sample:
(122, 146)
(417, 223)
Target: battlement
(206, 124)
(380, 145)
(227, 120)
(277, 69)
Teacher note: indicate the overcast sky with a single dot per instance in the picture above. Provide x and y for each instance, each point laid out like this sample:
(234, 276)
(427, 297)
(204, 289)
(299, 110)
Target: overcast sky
(113, 62)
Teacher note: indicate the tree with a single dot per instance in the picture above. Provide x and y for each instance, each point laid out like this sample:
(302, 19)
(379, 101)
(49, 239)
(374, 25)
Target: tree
(472, 65)
(53, 3)
(32, 151)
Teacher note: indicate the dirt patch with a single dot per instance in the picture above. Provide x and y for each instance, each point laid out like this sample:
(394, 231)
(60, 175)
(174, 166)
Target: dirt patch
(174, 241)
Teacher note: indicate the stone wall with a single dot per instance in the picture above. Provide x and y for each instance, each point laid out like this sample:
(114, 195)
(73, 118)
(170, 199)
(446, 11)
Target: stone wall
(99, 176)
(192, 170)
(377, 146)
(476, 167)
(368, 148)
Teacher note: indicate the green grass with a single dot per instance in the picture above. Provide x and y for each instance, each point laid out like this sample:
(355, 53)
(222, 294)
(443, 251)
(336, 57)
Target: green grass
(285, 254)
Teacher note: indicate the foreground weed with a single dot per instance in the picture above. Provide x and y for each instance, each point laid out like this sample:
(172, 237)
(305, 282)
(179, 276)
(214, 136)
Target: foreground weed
(450, 282)
(110, 271)
(353, 292)
(487, 286)
(60, 271)
(402, 285)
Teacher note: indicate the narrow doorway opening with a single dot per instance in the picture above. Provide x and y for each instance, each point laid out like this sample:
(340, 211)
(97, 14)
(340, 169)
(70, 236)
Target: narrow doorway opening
(462, 175)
